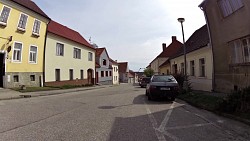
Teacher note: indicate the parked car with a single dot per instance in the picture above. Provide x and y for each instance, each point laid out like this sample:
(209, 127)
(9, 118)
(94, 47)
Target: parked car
(162, 86)
(144, 81)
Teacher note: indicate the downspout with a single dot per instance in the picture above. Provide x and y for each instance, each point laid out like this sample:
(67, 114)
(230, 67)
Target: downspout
(211, 44)
(44, 51)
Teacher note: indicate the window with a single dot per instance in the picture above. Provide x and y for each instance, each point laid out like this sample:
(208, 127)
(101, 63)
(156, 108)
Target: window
(229, 6)
(174, 67)
(71, 72)
(110, 73)
(59, 49)
(16, 78)
(33, 54)
(32, 78)
(104, 62)
(202, 67)
(77, 53)
(192, 68)
(81, 73)
(22, 22)
(4, 15)
(17, 52)
(102, 73)
(36, 27)
(57, 74)
(90, 56)
(240, 50)
(182, 68)
(107, 73)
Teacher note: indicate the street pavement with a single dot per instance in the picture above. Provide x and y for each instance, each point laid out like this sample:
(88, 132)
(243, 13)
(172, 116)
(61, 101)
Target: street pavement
(118, 113)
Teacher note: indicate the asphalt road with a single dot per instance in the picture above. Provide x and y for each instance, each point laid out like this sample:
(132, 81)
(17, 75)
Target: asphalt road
(119, 113)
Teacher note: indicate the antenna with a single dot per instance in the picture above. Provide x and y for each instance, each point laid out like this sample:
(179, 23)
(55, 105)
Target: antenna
(90, 39)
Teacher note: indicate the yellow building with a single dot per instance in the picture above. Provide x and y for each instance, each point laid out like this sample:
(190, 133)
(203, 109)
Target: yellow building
(22, 36)
(69, 58)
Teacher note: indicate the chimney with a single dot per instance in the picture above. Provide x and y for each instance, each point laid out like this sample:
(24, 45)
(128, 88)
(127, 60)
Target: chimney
(164, 46)
(173, 38)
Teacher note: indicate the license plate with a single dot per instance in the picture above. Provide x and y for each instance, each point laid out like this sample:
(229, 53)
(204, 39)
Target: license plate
(165, 89)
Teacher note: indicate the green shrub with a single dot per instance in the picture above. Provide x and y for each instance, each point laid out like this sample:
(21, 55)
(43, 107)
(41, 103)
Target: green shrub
(180, 79)
(238, 101)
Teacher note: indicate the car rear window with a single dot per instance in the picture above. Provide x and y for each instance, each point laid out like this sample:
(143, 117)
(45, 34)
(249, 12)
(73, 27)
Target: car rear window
(163, 78)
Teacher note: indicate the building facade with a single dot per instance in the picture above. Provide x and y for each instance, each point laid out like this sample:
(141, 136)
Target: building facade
(22, 38)
(198, 59)
(69, 58)
(104, 70)
(115, 65)
(228, 22)
(123, 72)
(165, 54)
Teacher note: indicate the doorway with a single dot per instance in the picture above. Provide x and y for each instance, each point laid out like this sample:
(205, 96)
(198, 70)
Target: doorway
(2, 69)
(90, 76)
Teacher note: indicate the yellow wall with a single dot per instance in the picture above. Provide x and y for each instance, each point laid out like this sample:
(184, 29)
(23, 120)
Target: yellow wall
(156, 63)
(66, 62)
(197, 83)
(25, 38)
(164, 69)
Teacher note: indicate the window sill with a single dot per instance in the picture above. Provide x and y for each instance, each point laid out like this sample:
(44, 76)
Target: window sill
(20, 30)
(239, 64)
(3, 24)
(16, 61)
(33, 63)
(35, 34)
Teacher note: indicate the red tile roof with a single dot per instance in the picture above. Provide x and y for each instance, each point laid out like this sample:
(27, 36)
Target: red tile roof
(99, 51)
(113, 62)
(123, 67)
(97, 65)
(165, 63)
(171, 50)
(67, 33)
(31, 6)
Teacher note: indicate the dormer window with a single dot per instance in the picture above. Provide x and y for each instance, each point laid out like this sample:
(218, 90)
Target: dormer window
(4, 15)
(104, 62)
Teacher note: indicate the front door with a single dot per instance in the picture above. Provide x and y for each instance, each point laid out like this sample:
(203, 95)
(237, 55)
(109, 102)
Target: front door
(2, 69)
(90, 76)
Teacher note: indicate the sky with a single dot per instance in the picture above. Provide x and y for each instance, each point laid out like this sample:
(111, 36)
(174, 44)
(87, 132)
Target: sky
(131, 30)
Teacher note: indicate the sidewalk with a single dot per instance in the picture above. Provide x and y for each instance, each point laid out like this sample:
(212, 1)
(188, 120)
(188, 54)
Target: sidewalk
(7, 94)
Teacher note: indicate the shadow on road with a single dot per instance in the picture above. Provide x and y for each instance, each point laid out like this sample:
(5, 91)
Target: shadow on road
(142, 99)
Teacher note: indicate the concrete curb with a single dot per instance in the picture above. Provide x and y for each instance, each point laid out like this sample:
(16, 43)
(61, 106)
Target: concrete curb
(52, 92)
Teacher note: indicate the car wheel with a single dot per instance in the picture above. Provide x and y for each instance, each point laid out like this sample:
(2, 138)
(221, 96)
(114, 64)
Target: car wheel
(150, 97)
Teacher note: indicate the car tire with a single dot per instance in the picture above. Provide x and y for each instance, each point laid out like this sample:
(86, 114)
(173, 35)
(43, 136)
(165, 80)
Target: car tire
(150, 97)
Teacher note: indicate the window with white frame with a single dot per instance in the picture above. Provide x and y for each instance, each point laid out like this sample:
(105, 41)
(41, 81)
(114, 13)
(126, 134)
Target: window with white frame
(22, 22)
(90, 56)
(59, 49)
(192, 68)
(17, 53)
(77, 53)
(229, 6)
(33, 54)
(202, 67)
(240, 50)
(36, 27)
(5, 15)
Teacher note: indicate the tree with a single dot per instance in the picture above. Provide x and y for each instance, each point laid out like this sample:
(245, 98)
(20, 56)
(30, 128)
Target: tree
(149, 72)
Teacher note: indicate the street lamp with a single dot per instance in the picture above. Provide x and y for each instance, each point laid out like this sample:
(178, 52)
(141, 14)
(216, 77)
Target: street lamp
(181, 20)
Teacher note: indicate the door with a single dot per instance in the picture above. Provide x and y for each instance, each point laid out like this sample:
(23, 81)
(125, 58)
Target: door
(90, 76)
(2, 69)
(97, 78)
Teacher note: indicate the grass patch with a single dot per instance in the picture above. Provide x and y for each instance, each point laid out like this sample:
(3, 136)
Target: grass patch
(214, 104)
(207, 102)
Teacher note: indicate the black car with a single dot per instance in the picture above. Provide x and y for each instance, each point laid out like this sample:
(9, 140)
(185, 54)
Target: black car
(162, 86)
(144, 81)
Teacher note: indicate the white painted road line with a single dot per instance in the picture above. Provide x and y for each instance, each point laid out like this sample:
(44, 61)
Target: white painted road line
(165, 121)
(188, 126)
(153, 121)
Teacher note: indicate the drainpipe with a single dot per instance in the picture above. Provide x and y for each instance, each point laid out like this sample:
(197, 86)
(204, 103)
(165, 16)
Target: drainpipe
(211, 44)
(44, 51)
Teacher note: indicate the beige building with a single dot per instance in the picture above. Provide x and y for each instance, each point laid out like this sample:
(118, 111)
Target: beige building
(228, 22)
(165, 54)
(199, 60)
(69, 58)
(115, 72)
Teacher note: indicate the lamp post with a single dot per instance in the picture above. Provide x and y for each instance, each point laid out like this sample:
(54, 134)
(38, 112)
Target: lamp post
(185, 85)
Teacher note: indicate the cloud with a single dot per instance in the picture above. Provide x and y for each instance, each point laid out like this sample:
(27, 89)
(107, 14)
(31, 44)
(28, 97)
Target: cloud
(131, 30)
